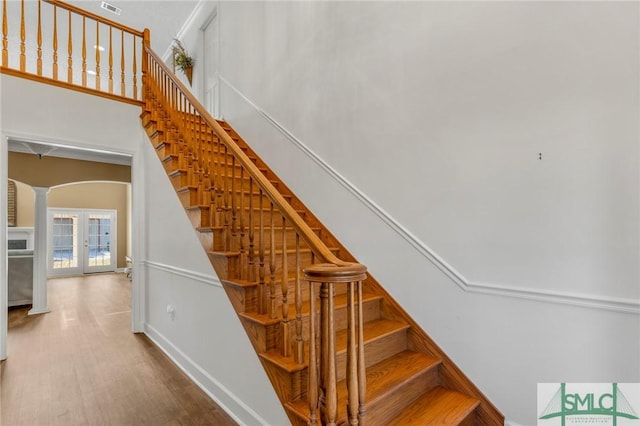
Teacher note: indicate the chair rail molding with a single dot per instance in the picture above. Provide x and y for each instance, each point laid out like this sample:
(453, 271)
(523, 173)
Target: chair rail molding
(192, 275)
(620, 305)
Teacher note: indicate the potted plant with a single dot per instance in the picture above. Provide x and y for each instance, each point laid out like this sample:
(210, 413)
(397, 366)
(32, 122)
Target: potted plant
(182, 60)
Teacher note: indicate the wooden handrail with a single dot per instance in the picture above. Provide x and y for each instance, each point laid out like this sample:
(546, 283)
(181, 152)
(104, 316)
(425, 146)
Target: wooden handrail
(305, 231)
(95, 17)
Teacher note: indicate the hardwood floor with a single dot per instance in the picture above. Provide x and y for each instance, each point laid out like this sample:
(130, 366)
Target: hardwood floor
(81, 365)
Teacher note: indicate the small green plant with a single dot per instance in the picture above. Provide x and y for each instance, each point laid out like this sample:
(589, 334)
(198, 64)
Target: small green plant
(181, 58)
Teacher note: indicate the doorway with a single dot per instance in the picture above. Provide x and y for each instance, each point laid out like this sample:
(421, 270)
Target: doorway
(81, 241)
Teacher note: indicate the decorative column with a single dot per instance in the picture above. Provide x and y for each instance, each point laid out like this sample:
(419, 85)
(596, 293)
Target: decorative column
(40, 305)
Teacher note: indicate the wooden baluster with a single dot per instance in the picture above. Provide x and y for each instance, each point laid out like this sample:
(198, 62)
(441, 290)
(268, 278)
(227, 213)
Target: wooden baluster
(234, 231)
(97, 55)
(135, 70)
(110, 59)
(251, 276)
(5, 32)
(312, 390)
(39, 37)
(84, 52)
(284, 284)
(299, 348)
(70, 52)
(328, 373)
(352, 360)
(217, 171)
(362, 372)
(207, 146)
(23, 57)
(243, 254)
(123, 86)
(55, 42)
(225, 213)
(273, 311)
(262, 300)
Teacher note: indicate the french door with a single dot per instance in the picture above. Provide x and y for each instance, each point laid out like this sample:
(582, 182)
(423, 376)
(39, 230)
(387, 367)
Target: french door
(81, 241)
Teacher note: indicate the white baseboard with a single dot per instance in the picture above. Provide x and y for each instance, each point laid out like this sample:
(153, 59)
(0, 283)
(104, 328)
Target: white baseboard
(229, 402)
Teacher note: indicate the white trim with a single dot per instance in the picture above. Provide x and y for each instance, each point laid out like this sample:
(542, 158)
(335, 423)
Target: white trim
(185, 28)
(192, 275)
(548, 296)
(203, 379)
(4, 276)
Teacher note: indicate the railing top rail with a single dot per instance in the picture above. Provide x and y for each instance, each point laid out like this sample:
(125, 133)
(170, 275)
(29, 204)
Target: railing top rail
(305, 231)
(95, 17)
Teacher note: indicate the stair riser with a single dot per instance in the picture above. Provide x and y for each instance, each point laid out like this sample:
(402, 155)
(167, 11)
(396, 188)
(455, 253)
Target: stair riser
(290, 235)
(233, 263)
(191, 197)
(170, 163)
(295, 383)
(371, 311)
(374, 351)
(254, 218)
(385, 409)
(199, 217)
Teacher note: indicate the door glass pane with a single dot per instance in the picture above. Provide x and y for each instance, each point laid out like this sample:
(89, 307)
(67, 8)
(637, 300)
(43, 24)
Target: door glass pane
(99, 240)
(65, 245)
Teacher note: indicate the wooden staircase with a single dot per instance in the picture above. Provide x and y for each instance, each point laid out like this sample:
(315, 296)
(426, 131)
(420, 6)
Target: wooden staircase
(337, 349)
(259, 257)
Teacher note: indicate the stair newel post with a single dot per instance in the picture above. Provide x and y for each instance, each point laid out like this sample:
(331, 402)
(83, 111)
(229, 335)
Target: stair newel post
(284, 284)
(312, 392)
(262, 300)
(299, 348)
(273, 308)
(328, 275)
(5, 32)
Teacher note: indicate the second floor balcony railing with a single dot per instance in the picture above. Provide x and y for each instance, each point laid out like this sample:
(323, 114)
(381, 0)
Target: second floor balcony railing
(56, 41)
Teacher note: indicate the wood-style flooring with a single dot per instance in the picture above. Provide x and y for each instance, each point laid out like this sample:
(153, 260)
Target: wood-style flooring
(81, 365)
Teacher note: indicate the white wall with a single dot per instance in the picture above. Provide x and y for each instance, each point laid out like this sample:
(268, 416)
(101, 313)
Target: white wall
(418, 126)
(170, 267)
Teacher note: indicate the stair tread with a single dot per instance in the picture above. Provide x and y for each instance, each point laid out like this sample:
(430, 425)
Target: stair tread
(372, 330)
(439, 406)
(382, 378)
